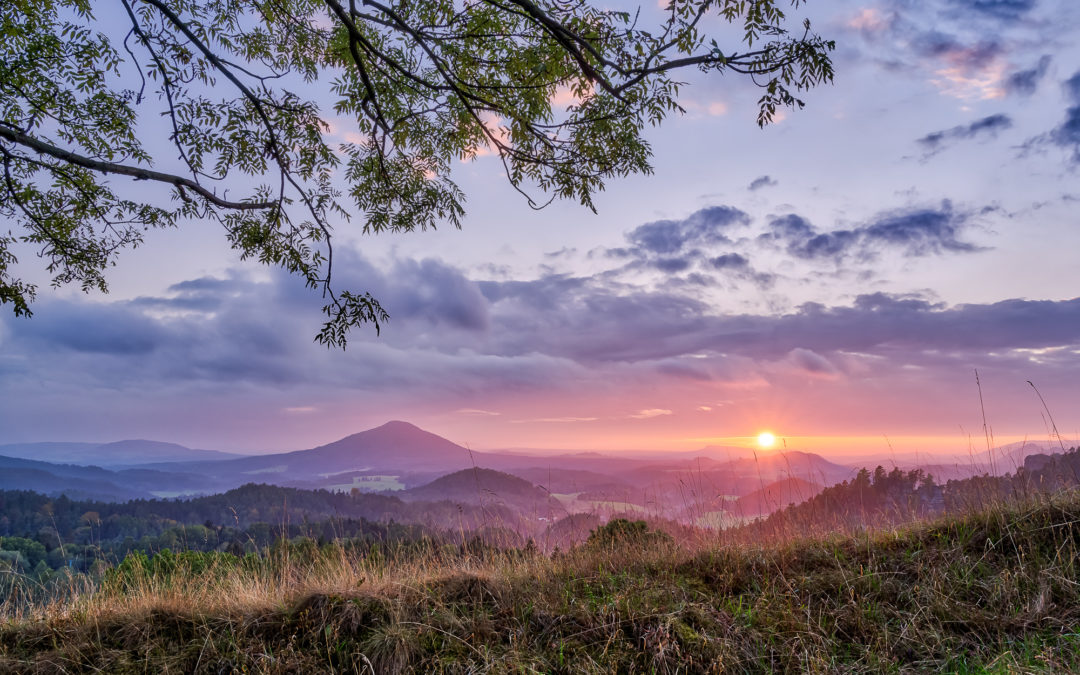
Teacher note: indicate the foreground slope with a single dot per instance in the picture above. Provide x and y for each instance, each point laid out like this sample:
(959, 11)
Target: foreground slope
(995, 591)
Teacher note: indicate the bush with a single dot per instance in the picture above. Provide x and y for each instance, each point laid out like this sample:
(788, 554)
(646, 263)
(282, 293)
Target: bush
(620, 532)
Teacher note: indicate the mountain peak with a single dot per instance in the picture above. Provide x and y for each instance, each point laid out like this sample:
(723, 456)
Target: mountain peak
(397, 431)
(398, 425)
(394, 445)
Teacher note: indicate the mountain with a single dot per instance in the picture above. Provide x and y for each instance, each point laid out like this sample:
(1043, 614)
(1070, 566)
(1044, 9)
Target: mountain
(558, 480)
(120, 453)
(485, 487)
(37, 480)
(774, 497)
(394, 445)
(809, 466)
(77, 482)
(63, 453)
(393, 449)
(722, 453)
(1007, 458)
(739, 476)
(93, 482)
(998, 461)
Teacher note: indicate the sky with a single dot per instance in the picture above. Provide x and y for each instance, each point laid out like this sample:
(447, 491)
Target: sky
(837, 278)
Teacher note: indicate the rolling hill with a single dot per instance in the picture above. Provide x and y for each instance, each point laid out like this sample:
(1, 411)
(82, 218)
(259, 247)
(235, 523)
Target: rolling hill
(484, 487)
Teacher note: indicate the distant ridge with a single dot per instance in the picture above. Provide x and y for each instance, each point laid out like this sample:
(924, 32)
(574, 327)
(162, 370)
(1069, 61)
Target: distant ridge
(91, 482)
(117, 454)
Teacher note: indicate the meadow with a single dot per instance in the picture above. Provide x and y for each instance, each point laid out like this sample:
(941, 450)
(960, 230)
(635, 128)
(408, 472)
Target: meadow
(996, 589)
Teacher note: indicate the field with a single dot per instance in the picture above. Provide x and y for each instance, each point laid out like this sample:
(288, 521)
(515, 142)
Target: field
(997, 590)
(369, 484)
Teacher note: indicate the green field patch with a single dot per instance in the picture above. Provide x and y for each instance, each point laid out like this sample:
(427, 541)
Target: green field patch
(719, 520)
(373, 483)
(359, 469)
(173, 494)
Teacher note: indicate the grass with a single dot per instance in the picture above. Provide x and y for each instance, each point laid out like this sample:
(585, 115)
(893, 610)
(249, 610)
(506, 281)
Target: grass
(997, 591)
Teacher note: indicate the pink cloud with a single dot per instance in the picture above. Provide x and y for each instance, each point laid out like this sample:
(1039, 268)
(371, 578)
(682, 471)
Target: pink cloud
(650, 413)
(868, 20)
(493, 124)
(565, 96)
(962, 80)
(717, 108)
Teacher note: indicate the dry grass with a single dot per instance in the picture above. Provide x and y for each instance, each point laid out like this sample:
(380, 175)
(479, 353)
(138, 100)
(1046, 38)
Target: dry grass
(994, 591)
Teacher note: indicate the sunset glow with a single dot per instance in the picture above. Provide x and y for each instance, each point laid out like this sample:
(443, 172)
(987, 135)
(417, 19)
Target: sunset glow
(844, 305)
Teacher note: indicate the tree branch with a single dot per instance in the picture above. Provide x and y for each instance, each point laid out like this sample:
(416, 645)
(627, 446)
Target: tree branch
(136, 172)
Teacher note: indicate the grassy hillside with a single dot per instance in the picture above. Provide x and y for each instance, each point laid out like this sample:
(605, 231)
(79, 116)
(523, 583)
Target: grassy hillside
(994, 591)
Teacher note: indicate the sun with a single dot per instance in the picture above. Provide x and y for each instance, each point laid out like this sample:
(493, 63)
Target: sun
(766, 439)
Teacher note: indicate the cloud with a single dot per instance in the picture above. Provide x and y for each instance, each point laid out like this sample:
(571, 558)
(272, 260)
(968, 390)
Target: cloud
(971, 72)
(476, 412)
(986, 127)
(595, 337)
(790, 226)
(706, 226)
(707, 250)
(1072, 87)
(824, 246)
(920, 232)
(936, 41)
(672, 265)
(914, 232)
(93, 328)
(1006, 10)
(811, 362)
(738, 266)
(717, 108)
(761, 182)
(564, 252)
(684, 370)
(436, 292)
(555, 420)
(868, 20)
(730, 261)
(1025, 82)
(595, 325)
(879, 329)
(949, 49)
(677, 246)
(1067, 134)
(650, 413)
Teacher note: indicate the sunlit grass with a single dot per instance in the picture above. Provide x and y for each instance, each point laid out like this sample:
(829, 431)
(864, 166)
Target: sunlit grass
(997, 590)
